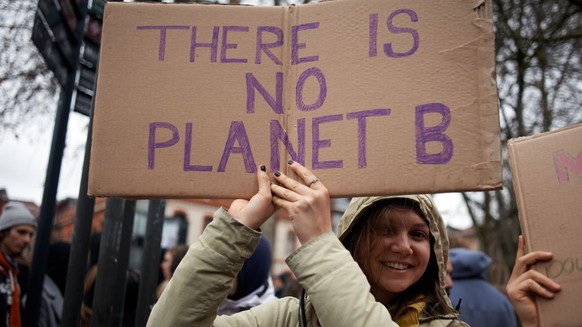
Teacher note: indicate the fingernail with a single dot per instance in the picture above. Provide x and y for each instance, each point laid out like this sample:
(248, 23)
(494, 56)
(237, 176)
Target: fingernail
(277, 173)
(263, 168)
(290, 162)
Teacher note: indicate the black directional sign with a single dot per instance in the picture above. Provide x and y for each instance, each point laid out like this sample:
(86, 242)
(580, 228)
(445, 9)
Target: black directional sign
(53, 34)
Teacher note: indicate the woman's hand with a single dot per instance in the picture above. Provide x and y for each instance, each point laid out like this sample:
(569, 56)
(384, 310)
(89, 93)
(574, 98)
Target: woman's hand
(307, 203)
(259, 208)
(526, 284)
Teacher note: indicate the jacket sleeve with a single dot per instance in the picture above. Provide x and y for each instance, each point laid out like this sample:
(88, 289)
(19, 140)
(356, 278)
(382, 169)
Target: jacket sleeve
(337, 287)
(276, 313)
(205, 274)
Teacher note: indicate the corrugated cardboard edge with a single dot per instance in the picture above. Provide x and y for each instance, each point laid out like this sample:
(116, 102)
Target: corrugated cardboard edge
(488, 98)
(511, 144)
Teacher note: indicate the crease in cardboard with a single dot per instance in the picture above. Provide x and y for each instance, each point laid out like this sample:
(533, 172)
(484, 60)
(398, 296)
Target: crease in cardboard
(291, 18)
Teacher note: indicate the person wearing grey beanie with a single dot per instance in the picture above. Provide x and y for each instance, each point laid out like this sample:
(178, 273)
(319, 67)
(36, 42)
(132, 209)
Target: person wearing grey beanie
(16, 213)
(17, 229)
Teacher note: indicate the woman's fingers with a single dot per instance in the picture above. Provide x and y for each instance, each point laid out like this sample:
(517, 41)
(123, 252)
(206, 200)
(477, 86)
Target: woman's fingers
(524, 261)
(543, 285)
(264, 182)
(290, 190)
(259, 208)
(519, 268)
(308, 181)
(525, 284)
(308, 207)
(534, 282)
(306, 175)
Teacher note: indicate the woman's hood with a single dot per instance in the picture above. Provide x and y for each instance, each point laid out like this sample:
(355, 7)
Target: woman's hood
(436, 225)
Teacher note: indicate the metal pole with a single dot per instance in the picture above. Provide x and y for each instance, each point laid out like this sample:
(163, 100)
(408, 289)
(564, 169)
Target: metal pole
(49, 198)
(111, 280)
(150, 263)
(80, 245)
(47, 211)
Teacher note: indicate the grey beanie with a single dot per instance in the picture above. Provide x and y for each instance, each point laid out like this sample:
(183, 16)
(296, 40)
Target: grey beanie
(15, 213)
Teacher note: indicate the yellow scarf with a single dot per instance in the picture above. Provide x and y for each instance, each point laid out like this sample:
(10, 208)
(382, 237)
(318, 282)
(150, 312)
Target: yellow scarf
(410, 316)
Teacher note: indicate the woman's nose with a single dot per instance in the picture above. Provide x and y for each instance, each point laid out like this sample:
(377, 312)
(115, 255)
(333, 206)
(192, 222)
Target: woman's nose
(401, 244)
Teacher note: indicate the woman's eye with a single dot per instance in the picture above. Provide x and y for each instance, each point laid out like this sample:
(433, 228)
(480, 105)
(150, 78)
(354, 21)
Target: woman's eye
(383, 230)
(420, 235)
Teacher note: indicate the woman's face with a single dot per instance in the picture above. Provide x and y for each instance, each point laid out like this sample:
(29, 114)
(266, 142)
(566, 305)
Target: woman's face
(399, 252)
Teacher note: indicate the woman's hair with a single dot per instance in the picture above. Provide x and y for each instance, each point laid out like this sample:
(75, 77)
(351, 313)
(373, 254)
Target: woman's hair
(359, 242)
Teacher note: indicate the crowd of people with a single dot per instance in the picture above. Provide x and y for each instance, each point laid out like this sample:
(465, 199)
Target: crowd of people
(389, 259)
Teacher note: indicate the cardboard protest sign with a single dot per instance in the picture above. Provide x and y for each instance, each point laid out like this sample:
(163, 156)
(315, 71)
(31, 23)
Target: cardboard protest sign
(547, 179)
(375, 96)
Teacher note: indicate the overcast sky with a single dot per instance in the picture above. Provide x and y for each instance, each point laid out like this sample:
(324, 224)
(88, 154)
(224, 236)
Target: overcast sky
(24, 160)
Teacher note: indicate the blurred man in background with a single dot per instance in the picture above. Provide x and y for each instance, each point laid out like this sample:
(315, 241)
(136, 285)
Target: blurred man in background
(17, 229)
(481, 304)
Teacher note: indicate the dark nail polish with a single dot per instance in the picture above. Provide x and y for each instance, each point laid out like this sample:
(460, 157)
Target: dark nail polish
(263, 168)
(290, 162)
(277, 173)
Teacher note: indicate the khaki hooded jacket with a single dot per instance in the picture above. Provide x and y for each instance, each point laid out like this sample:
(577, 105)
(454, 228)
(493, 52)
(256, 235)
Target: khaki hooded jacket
(338, 291)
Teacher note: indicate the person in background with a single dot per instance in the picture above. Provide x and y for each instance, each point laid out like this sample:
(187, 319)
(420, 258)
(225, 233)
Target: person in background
(171, 260)
(481, 304)
(17, 229)
(253, 284)
(385, 267)
(526, 284)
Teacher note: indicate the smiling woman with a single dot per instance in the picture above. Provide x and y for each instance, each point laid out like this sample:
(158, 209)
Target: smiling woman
(388, 263)
(392, 246)
(400, 244)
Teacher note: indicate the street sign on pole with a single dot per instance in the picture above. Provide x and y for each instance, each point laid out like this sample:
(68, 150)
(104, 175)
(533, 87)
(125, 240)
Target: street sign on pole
(53, 34)
(45, 41)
